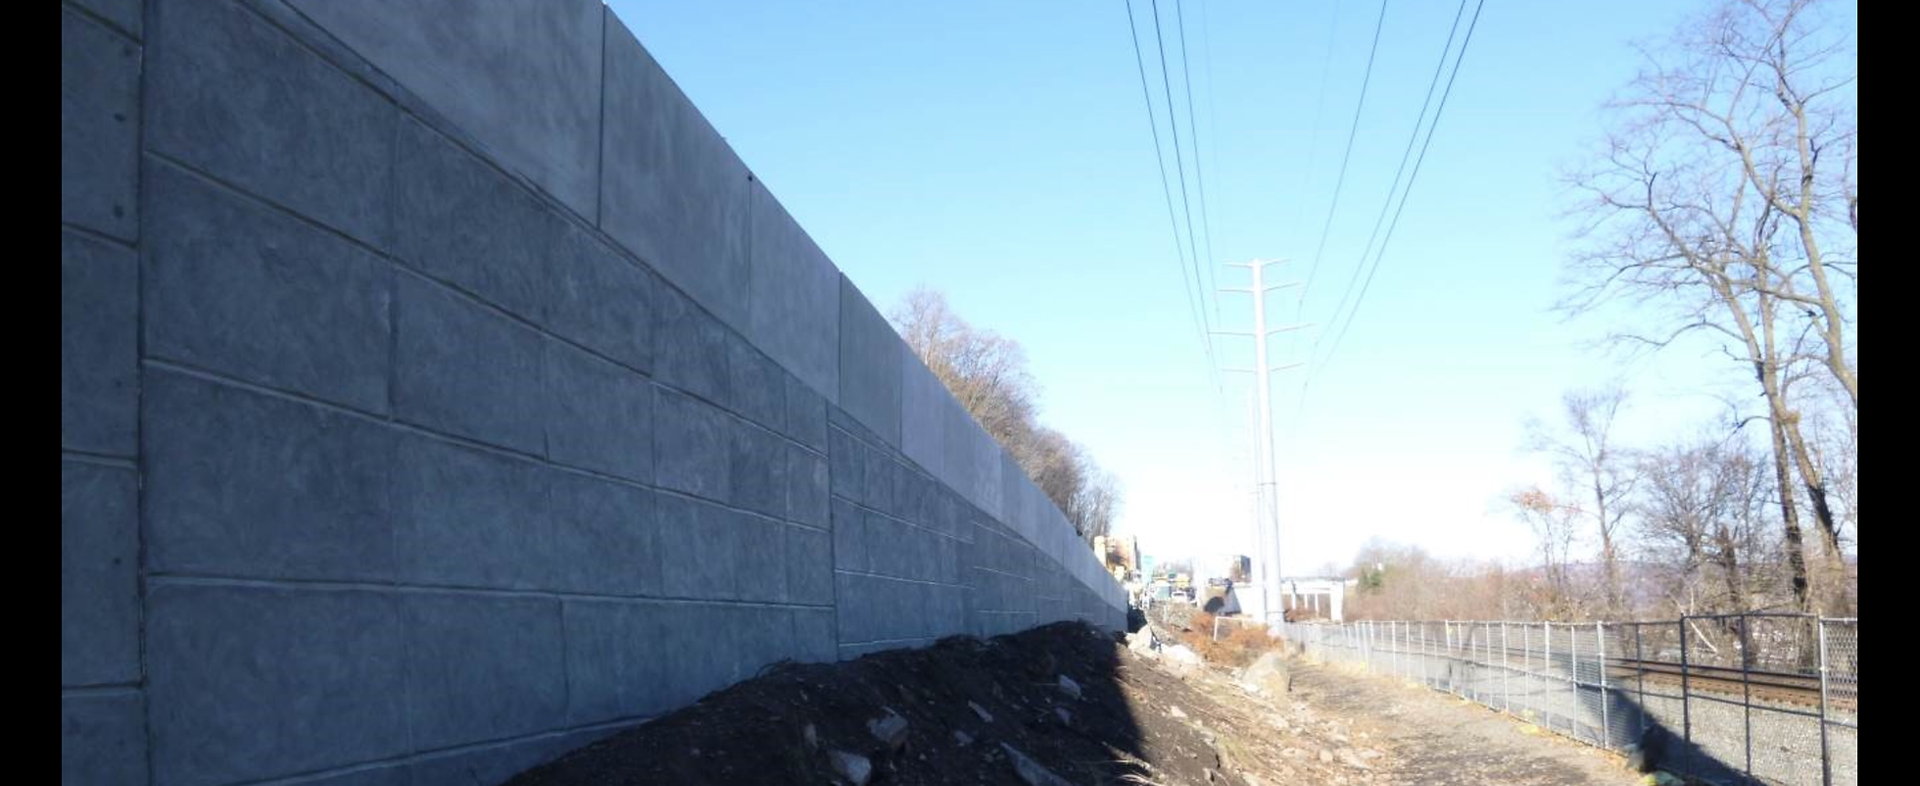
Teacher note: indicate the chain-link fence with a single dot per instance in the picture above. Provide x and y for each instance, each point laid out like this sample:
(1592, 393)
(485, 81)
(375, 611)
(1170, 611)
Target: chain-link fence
(1730, 699)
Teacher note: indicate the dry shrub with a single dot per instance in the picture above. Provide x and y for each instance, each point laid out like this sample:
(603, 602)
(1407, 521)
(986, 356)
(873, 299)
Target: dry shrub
(1239, 645)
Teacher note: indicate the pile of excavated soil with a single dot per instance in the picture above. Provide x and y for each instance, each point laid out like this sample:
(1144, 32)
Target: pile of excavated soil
(1060, 704)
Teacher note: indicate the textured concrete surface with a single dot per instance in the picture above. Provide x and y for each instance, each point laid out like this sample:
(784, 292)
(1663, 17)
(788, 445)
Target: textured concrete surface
(99, 125)
(870, 358)
(670, 188)
(440, 392)
(524, 76)
(99, 336)
(233, 96)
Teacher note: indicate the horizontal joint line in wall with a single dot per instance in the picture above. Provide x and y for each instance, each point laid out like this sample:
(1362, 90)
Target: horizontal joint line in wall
(888, 641)
(898, 578)
(403, 266)
(208, 375)
(399, 264)
(907, 522)
(398, 424)
(416, 108)
(110, 25)
(98, 459)
(159, 579)
(104, 689)
(416, 757)
(728, 506)
(1001, 572)
(94, 234)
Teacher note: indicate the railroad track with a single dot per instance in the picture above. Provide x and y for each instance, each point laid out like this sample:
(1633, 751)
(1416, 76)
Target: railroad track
(1777, 686)
(1771, 685)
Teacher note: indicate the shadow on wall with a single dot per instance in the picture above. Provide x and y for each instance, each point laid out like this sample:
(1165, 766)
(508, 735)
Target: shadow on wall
(938, 714)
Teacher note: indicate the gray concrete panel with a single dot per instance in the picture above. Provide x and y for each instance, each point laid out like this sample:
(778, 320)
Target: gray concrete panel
(99, 339)
(849, 537)
(870, 358)
(692, 444)
(757, 461)
(671, 190)
(809, 565)
(618, 660)
(464, 370)
(600, 415)
(103, 738)
(247, 291)
(758, 385)
(466, 517)
(807, 484)
(923, 407)
(847, 461)
(602, 300)
(795, 296)
(246, 683)
(606, 537)
(883, 480)
(471, 226)
(99, 575)
(813, 636)
(482, 667)
(492, 764)
(99, 127)
(523, 77)
(690, 347)
(711, 552)
(122, 14)
(236, 97)
(244, 484)
(806, 414)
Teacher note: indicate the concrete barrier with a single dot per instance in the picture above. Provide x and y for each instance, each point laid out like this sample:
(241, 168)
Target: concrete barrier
(439, 391)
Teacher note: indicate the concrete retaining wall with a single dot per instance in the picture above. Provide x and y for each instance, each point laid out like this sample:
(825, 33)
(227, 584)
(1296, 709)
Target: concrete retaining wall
(439, 392)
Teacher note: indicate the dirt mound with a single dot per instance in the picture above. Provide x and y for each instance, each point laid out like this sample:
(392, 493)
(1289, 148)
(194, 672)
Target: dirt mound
(1066, 704)
(964, 702)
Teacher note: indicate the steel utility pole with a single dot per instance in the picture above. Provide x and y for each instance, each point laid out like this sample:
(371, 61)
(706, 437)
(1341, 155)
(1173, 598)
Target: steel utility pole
(1266, 499)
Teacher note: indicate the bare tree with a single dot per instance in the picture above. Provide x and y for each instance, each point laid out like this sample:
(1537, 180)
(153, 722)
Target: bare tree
(1588, 459)
(988, 374)
(1700, 511)
(1716, 198)
(1554, 525)
(985, 371)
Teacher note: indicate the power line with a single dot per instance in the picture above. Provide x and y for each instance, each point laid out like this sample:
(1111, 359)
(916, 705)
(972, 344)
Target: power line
(1180, 166)
(1199, 170)
(1410, 178)
(1159, 157)
(1352, 131)
(1413, 136)
(1313, 148)
(1319, 106)
(1314, 370)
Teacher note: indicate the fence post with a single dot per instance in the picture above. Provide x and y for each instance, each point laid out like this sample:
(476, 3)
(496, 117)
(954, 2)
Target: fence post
(1746, 688)
(1573, 674)
(1686, 688)
(1606, 728)
(1640, 683)
(1486, 667)
(1526, 663)
(1400, 650)
(1826, 766)
(1506, 674)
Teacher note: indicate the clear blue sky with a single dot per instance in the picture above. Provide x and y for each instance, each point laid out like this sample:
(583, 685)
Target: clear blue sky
(1000, 151)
